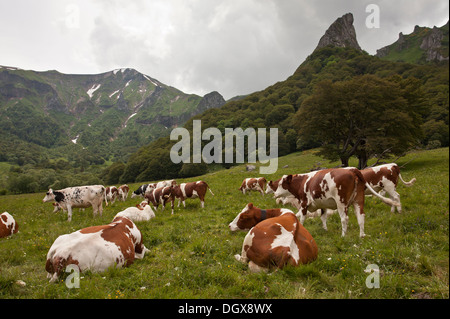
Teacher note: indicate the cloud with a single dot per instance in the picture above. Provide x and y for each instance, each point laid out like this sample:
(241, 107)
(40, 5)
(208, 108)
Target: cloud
(234, 47)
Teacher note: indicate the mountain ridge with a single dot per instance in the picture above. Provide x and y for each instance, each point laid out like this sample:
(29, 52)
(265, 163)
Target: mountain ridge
(423, 45)
(93, 110)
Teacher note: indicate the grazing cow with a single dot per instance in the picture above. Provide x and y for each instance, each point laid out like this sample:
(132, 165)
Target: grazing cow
(142, 212)
(123, 192)
(140, 191)
(96, 248)
(276, 238)
(8, 226)
(161, 195)
(81, 197)
(192, 190)
(385, 178)
(329, 189)
(170, 182)
(253, 184)
(111, 193)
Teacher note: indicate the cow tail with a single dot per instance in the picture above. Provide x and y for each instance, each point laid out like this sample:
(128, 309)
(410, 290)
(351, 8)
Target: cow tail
(407, 184)
(209, 189)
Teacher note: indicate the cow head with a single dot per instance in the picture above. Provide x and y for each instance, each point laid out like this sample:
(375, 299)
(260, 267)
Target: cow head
(271, 187)
(246, 219)
(142, 205)
(49, 196)
(283, 186)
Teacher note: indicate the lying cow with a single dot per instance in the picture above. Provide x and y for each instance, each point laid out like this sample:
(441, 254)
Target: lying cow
(142, 212)
(276, 238)
(8, 225)
(123, 192)
(191, 190)
(96, 248)
(161, 195)
(80, 197)
(385, 178)
(253, 184)
(330, 189)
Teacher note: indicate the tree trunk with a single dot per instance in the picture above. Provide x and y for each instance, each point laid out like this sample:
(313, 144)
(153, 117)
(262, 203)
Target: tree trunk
(344, 161)
(362, 160)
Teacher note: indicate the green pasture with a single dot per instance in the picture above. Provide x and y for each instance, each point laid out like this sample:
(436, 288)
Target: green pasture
(191, 252)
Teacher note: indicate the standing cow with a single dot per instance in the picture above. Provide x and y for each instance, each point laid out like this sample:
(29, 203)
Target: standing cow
(111, 193)
(123, 192)
(253, 184)
(81, 197)
(161, 195)
(192, 190)
(276, 238)
(330, 189)
(385, 178)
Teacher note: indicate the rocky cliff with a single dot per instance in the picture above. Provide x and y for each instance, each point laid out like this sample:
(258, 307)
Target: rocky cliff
(340, 34)
(423, 45)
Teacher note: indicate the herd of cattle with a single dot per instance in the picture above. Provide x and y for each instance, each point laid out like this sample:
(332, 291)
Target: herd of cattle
(275, 238)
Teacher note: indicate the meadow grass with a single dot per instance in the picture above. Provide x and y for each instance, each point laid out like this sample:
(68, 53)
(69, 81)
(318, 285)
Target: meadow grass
(191, 252)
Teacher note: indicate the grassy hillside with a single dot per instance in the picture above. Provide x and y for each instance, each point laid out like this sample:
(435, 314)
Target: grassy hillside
(191, 252)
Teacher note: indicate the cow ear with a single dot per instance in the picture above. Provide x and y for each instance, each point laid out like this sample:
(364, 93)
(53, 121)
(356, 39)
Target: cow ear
(250, 205)
(289, 178)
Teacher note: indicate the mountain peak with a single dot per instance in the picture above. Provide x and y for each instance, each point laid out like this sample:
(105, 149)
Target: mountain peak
(340, 34)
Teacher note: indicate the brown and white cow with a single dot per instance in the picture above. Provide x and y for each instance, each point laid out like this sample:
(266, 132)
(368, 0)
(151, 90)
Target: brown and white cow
(336, 188)
(276, 238)
(81, 197)
(96, 248)
(253, 184)
(8, 225)
(123, 192)
(111, 193)
(167, 183)
(161, 195)
(192, 190)
(141, 212)
(385, 178)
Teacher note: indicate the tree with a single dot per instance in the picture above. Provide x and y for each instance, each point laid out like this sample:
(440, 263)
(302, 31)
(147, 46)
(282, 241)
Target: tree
(362, 117)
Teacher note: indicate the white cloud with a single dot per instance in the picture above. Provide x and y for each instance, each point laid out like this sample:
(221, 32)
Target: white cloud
(234, 46)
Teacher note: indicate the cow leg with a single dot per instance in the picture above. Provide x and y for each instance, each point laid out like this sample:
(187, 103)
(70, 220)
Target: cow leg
(360, 216)
(396, 197)
(344, 218)
(323, 217)
(100, 207)
(69, 213)
(302, 214)
(172, 204)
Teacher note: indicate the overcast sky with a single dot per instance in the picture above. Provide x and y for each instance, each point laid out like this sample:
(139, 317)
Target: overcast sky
(231, 46)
